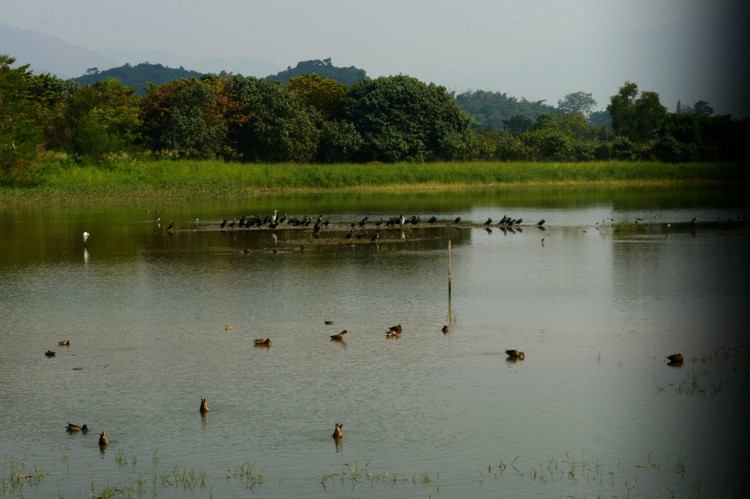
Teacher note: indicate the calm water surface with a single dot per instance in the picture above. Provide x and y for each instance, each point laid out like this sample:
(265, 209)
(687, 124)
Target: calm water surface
(592, 411)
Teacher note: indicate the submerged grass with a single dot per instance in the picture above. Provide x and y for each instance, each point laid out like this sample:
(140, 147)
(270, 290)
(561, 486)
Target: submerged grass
(129, 178)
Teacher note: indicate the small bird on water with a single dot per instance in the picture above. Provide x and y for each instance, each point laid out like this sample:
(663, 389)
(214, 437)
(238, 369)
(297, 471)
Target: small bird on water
(103, 439)
(204, 408)
(337, 434)
(339, 336)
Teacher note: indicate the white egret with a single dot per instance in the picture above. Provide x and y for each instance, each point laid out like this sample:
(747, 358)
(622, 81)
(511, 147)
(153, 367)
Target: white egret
(85, 237)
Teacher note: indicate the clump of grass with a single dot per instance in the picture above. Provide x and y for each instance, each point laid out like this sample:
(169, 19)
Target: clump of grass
(247, 474)
(19, 477)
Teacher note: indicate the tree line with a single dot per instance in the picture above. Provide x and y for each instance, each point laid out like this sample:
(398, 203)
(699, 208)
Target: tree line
(311, 118)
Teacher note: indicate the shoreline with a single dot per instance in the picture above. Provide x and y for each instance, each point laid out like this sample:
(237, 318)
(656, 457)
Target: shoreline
(140, 181)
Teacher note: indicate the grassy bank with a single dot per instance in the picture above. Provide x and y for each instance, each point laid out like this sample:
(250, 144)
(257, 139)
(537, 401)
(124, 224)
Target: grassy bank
(126, 179)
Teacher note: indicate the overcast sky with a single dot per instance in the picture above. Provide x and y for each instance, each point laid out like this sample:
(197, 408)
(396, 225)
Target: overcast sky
(537, 49)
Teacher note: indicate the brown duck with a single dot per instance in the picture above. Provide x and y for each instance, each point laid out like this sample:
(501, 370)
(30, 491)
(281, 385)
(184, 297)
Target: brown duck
(339, 336)
(263, 342)
(515, 354)
(103, 439)
(204, 408)
(337, 434)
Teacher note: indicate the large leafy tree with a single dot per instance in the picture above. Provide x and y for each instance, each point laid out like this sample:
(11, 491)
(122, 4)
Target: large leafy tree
(101, 118)
(326, 95)
(638, 118)
(581, 103)
(29, 107)
(185, 117)
(270, 123)
(403, 119)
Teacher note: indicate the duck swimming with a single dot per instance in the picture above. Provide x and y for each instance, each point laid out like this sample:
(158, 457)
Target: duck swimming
(263, 342)
(204, 408)
(73, 428)
(515, 354)
(103, 439)
(337, 434)
(339, 336)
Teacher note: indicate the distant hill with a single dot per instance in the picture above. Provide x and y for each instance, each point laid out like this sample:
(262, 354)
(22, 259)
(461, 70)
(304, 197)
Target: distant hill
(48, 54)
(346, 76)
(138, 76)
(247, 66)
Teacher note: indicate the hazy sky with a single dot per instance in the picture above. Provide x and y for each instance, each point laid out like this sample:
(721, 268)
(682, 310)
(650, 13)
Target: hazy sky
(537, 49)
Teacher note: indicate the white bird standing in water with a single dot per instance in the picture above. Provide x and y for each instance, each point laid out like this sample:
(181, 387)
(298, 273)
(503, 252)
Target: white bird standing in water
(85, 237)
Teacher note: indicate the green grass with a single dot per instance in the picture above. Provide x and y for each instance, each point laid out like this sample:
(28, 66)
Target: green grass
(126, 178)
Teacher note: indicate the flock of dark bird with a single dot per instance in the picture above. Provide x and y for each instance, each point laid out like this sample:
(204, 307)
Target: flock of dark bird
(274, 221)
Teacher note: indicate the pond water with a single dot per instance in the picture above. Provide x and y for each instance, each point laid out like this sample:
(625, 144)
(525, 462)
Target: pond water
(594, 300)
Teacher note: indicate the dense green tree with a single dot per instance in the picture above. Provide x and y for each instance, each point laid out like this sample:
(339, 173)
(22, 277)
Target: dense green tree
(637, 118)
(271, 123)
(702, 108)
(326, 95)
(184, 118)
(403, 119)
(29, 107)
(339, 142)
(518, 124)
(581, 103)
(100, 119)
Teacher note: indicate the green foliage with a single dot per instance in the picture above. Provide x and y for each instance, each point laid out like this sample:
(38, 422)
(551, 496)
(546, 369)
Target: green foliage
(493, 108)
(184, 117)
(638, 119)
(339, 142)
(518, 124)
(671, 150)
(580, 103)
(138, 76)
(271, 124)
(29, 105)
(324, 68)
(403, 119)
(324, 94)
(102, 119)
